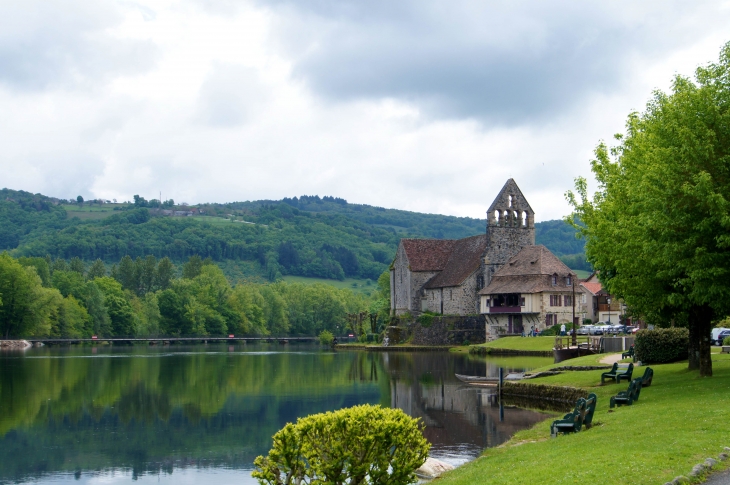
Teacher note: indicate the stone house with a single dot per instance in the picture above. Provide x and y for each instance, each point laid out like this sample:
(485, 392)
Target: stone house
(533, 290)
(445, 276)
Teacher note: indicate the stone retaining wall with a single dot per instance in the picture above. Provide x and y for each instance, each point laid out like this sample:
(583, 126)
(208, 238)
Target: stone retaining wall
(449, 330)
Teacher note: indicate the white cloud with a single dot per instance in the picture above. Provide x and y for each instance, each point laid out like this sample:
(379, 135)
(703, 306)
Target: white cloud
(221, 101)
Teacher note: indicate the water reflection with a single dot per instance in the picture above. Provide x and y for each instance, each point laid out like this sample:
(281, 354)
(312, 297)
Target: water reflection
(201, 414)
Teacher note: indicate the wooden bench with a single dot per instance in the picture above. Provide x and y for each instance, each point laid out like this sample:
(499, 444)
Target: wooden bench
(571, 422)
(647, 377)
(617, 373)
(627, 397)
(629, 353)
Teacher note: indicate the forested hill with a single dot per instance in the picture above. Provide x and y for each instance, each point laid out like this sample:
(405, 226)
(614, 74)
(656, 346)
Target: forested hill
(323, 237)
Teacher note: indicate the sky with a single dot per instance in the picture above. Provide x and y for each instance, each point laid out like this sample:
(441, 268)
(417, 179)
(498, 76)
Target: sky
(413, 104)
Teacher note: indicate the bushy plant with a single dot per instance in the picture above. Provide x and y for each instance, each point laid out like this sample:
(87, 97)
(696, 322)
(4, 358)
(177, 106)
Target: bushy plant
(661, 345)
(359, 445)
(326, 337)
(425, 320)
(726, 341)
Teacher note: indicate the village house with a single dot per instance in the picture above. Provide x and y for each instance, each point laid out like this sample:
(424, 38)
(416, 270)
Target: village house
(533, 291)
(445, 275)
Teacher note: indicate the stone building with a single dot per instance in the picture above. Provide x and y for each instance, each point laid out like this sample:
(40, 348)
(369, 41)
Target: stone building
(534, 290)
(445, 276)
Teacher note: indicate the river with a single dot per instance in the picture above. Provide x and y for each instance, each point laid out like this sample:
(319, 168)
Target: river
(201, 414)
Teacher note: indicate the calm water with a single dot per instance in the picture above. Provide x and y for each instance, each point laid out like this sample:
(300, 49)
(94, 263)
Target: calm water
(201, 414)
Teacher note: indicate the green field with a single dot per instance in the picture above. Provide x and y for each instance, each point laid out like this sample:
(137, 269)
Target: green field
(582, 274)
(357, 286)
(91, 212)
(678, 422)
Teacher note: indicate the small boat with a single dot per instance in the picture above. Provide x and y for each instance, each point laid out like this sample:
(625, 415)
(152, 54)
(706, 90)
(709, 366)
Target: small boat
(476, 379)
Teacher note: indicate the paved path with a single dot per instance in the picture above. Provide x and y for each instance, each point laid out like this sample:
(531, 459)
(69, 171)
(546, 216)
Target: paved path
(721, 478)
(611, 358)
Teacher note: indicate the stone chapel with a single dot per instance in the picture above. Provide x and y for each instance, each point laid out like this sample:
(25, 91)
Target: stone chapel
(446, 275)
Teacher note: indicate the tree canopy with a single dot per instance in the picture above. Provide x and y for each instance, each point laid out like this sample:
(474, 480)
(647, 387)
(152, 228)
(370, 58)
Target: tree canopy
(658, 226)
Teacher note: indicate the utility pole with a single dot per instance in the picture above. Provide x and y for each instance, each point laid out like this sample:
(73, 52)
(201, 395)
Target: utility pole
(572, 284)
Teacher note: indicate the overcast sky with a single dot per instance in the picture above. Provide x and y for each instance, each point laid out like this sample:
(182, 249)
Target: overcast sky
(415, 104)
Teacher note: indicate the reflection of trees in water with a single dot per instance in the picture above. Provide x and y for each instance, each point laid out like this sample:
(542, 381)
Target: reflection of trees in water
(96, 413)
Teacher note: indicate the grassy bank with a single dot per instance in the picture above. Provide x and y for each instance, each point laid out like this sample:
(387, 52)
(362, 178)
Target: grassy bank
(679, 422)
(542, 344)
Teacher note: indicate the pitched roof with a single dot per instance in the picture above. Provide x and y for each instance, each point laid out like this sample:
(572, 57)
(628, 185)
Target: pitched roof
(529, 271)
(594, 287)
(510, 197)
(428, 254)
(465, 258)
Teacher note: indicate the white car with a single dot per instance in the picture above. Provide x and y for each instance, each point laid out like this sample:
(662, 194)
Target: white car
(584, 330)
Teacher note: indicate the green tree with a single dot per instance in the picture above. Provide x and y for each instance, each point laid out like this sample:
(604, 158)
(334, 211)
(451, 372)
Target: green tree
(70, 319)
(658, 227)
(77, 265)
(121, 314)
(355, 446)
(146, 269)
(26, 305)
(41, 266)
(80, 200)
(192, 267)
(165, 274)
(97, 270)
(128, 274)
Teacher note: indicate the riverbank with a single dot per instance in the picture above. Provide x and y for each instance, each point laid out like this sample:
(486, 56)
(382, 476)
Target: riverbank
(15, 345)
(528, 346)
(680, 421)
(393, 348)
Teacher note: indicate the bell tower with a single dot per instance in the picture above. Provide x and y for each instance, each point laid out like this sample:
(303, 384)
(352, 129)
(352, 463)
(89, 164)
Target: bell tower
(510, 227)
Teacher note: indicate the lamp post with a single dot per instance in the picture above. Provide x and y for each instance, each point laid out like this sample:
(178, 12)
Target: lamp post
(609, 310)
(575, 338)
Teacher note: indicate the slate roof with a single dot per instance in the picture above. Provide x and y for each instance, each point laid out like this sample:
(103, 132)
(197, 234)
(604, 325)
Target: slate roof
(530, 271)
(428, 254)
(465, 258)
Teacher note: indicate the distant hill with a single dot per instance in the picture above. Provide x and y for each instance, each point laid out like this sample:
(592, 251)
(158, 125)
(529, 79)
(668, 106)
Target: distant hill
(311, 236)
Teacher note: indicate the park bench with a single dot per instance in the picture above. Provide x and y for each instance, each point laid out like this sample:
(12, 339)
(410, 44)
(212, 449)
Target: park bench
(647, 377)
(628, 396)
(629, 353)
(617, 373)
(571, 422)
(581, 416)
(591, 401)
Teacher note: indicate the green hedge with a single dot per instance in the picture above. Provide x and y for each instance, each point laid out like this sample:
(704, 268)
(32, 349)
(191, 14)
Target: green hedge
(661, 345)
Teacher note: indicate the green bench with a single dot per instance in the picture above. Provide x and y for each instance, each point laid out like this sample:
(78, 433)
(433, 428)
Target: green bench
(582, 415)
(617, 373)
(647, 377)
(627, 397)
(628, 354)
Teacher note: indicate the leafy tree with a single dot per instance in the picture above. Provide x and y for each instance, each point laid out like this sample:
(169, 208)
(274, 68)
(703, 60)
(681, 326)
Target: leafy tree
(356, 446)
(77, 265)
(41, 266)
(70, 319)
(165, 273)
(128, 274)
(121, 314)
(657, 228)
(146, 268)
(97, 270)
(79, 200)
(192, 267)
(26, 305)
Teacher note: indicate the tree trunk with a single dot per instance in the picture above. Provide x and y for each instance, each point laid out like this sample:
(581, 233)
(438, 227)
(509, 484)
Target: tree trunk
(694, 346)
(700, 319)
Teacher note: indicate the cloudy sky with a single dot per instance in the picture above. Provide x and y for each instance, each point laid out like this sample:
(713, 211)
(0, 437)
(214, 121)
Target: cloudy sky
(413, 104)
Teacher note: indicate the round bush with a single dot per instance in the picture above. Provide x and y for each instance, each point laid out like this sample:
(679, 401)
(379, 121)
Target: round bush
(358, 445)
(661, 345)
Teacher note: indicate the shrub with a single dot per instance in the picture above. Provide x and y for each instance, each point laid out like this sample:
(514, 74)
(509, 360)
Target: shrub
(661, 345)
(425, 320)
(726, 341)
(326, 337)
(358, 445)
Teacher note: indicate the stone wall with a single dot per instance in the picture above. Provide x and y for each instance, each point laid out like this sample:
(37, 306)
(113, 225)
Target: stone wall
(449, 330)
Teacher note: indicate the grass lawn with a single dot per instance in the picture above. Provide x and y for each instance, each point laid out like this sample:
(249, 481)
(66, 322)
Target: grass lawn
(521, 343)
(87, 211)
(679, 422)
(357, 286)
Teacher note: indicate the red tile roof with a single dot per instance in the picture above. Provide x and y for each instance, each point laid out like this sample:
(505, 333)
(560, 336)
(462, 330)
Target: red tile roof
(594, 288)
(428, 254)
(463, 261)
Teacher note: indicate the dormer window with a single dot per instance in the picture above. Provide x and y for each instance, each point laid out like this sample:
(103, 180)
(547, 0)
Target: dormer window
(554, 280)
(568, 281)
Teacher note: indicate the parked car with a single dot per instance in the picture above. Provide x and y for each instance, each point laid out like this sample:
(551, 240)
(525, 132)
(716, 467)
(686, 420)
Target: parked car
(714, 338)
(721, 337)
(598, 329)
(584, 330)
